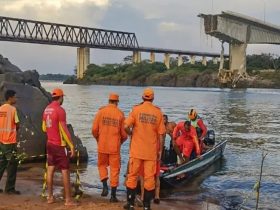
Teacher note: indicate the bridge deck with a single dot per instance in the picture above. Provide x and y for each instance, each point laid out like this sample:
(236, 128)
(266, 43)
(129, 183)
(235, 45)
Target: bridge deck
(38, 32)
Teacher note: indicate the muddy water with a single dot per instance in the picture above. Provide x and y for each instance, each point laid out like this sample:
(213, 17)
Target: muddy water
(248, 119)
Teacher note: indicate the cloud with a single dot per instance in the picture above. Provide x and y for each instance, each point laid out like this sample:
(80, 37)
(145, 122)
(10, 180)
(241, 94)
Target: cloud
(19, 5)
(170, 27)
(164, 24)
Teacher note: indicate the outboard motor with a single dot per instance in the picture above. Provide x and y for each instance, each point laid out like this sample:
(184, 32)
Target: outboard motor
(209, 139)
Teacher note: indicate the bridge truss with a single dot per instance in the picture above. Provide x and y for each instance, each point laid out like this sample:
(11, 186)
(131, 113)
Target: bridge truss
(30, 31)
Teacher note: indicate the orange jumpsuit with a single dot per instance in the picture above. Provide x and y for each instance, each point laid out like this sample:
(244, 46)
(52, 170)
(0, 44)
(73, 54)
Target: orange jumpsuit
(147, 123)
(108, 129)
(186, 140)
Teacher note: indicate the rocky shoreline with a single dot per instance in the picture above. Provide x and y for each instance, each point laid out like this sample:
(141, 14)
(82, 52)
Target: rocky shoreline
(32, 100)
(205, 79)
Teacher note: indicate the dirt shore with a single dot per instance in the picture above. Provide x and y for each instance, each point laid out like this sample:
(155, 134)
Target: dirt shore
(29, 182)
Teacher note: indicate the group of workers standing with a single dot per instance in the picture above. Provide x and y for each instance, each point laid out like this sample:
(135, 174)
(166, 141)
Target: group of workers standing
(146, 126)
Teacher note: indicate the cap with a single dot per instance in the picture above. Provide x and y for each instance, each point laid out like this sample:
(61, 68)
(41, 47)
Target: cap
(114, 97)
(148, 94)
(57, 92)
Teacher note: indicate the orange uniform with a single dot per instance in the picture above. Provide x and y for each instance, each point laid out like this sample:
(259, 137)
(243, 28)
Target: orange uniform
(8, 121)
(186, 140)
(108, 129)
(147, 123)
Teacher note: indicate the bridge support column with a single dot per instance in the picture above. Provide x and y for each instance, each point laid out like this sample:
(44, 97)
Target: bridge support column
(83, 60)
(204, 61)
(180, 60)
(152, 57)
(237, 59)
(167, 60)
(215, 61)
(192, 59)
(136, 57)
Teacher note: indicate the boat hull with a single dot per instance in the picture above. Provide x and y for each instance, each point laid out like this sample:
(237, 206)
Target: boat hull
(185, 172)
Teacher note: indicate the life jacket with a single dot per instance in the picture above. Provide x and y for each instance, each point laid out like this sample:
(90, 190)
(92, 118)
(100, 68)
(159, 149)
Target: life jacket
(8, 131)
(194, 123)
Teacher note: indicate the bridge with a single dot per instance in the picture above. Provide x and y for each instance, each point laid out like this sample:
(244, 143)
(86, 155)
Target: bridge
(84, 38)
(238, 30)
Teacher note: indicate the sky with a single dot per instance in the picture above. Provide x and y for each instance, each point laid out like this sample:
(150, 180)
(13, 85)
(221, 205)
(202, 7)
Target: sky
(157, 23)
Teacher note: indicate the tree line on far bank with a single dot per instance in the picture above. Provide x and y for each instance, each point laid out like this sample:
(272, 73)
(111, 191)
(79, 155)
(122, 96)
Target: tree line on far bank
(126, 70)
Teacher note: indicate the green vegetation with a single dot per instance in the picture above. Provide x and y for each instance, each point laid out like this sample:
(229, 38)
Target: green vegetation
(54, 77)
(262, 67)
(139, 74)
(262, 62)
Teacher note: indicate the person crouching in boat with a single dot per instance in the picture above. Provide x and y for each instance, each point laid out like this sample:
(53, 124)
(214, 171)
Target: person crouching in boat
(186, 139)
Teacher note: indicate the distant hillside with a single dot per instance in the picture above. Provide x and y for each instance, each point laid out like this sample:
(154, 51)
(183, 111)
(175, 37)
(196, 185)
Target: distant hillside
(54, 77)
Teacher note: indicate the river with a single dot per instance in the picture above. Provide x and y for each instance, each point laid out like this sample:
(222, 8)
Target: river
(248, 118)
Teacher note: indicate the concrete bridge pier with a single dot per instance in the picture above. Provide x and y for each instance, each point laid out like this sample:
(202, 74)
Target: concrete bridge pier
(180, 60)
(237, 64)
(136, 57)
(152, 57)
(192, 59)
(83, 59)
(167, 60)
(215, 61)
(204, 61)
(237, 57)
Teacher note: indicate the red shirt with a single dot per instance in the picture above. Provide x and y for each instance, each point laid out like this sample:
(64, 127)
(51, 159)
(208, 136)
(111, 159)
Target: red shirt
(54, 124)
(181, 135)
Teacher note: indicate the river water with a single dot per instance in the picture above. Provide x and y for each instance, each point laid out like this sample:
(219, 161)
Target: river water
(248, 118)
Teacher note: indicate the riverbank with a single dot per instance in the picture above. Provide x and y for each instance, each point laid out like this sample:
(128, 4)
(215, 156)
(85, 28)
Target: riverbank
(156, 74)
(29, 182)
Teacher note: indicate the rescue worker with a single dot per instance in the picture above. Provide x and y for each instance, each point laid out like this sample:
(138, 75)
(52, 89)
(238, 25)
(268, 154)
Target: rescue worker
(186, 138)
(58, 136)
(145, 124)
(197, 123)
(108, 130)
(169, 126)
(9, 124)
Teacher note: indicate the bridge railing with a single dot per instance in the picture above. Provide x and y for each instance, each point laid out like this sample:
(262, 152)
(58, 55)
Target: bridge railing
(21, 30)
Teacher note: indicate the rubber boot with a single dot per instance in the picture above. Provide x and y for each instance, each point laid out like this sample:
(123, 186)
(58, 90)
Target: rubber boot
(130, 199)
(148, 196)
(113, 198)
(105, 190)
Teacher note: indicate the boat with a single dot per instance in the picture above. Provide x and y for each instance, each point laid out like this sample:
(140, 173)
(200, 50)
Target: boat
(173, 175)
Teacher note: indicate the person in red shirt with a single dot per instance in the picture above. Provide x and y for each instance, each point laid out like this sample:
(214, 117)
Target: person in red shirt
(108, 130)
(58, 136)
(186, 139)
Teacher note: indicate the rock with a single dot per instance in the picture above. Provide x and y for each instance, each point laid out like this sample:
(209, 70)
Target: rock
(32, 100)
(7, 66)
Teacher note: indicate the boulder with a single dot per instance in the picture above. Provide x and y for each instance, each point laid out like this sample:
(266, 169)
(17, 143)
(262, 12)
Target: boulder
(32, 100)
